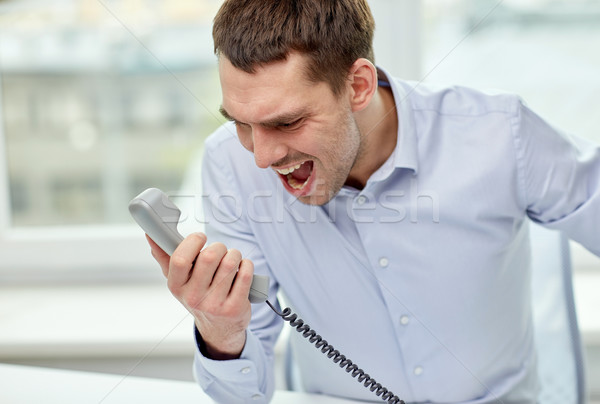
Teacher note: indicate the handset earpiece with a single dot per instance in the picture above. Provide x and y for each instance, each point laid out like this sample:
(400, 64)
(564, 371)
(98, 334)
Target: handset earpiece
(158, 216)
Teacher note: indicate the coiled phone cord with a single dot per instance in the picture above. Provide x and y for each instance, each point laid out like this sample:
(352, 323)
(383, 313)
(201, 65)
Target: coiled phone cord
(336, 356)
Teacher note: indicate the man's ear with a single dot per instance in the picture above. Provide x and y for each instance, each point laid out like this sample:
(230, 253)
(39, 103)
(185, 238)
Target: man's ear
(363, 83)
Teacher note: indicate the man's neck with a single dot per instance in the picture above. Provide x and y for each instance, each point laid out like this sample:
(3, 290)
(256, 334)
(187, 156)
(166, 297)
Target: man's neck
(378, 125)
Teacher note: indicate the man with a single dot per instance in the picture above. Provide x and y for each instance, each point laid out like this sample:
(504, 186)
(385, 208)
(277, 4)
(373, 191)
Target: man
(393, 218)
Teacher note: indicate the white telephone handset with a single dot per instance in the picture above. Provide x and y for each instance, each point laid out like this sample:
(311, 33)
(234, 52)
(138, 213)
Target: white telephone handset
(158, 217)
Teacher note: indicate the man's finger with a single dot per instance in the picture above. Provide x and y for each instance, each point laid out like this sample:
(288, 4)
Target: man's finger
(241, 286)
(182, 261)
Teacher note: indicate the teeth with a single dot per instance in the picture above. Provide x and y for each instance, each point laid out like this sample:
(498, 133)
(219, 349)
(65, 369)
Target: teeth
(291, 180)
(286, 171)
(296, 184)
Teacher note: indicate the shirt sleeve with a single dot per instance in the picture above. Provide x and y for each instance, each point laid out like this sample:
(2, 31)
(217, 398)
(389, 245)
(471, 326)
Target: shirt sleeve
(251, 377)
(559, 176)
(242, 380)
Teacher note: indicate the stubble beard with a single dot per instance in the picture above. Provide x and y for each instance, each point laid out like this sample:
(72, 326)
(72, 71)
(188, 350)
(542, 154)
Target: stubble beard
(325, 189)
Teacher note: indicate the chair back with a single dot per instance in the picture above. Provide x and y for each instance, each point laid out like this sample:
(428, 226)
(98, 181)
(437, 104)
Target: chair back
(557, 337)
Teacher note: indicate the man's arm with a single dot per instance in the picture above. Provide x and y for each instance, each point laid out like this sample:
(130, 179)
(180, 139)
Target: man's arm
(559, 178)
(249, 374)
(231, 364)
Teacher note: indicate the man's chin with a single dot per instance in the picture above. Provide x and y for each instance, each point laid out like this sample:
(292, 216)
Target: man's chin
(314, 200)
(319, 196)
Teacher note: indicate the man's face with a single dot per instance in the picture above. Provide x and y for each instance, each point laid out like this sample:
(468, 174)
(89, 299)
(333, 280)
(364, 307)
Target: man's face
(296, 127)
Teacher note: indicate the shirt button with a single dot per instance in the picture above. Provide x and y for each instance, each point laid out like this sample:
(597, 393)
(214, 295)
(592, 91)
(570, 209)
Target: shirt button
(418, 371)
(383, 262)
(361, 200)
(256, 397)
(245, 370)
(404, 320)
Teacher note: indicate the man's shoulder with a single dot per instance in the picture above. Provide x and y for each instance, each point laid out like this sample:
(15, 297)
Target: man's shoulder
(223, 148)
(224, 136)
(458, 99)
(223, 152)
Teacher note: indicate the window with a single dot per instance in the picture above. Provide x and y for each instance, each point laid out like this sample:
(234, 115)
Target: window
(99, 100)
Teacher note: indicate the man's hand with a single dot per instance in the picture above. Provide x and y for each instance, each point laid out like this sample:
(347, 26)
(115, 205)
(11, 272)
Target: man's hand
(213, 284)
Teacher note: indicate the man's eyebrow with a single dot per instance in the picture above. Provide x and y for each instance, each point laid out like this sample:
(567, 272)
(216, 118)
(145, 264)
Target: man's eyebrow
(225, 114)
(283, 119)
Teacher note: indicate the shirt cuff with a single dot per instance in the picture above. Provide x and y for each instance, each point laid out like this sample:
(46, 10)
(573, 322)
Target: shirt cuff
(241, 375)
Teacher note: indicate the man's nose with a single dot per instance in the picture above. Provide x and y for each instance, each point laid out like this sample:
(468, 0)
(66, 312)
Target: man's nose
(267, 146)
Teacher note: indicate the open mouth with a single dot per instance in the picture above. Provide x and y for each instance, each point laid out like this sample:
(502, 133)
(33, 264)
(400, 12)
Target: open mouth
(297, 176)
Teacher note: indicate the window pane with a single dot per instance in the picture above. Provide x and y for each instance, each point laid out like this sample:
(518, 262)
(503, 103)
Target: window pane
(544, 50)
(101, 100)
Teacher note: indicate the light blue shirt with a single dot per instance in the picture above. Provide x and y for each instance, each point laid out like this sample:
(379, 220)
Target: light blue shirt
(423, 277)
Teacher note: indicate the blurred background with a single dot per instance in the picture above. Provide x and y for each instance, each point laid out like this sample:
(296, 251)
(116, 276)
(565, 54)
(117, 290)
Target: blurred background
(100, 102)
(100, 99)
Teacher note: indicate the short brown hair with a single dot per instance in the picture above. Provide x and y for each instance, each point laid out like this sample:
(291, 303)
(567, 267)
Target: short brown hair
(332, 33)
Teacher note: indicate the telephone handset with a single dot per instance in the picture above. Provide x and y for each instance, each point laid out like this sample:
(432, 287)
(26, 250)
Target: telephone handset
(158, 217)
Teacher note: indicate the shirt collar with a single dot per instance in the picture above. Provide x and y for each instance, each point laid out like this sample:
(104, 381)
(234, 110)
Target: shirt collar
(405, 152)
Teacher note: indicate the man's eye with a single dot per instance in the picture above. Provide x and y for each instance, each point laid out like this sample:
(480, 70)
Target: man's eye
(291, 124)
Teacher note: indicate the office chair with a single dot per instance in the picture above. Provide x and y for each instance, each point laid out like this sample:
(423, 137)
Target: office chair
(557, 337)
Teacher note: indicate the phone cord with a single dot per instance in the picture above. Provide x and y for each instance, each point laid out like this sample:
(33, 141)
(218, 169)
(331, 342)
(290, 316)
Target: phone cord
(336, 356)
